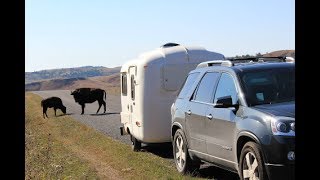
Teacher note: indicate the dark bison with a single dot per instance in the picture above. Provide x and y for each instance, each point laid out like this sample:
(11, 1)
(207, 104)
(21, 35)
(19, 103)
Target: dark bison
(89, 95)
(54, 102)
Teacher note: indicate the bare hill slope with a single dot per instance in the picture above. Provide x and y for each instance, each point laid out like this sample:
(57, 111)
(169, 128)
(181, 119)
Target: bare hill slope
(70, 73)
(110, 83)
(290, 53)
(89, 76)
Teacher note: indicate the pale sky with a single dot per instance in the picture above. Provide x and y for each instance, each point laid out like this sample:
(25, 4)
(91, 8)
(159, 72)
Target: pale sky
(74, 33)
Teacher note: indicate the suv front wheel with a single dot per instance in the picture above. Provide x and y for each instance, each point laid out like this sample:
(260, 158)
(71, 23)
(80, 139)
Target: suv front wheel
(182, 159)
(251, 163)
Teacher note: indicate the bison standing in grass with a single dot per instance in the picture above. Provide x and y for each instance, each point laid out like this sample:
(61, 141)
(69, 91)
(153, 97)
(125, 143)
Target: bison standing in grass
(54, 102)
(89, 95)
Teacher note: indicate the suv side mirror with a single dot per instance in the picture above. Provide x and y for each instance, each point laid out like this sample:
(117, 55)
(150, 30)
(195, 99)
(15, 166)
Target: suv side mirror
(224, 102)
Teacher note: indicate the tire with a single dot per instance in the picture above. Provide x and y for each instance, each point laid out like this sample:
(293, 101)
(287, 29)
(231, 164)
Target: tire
(135, 144)
(251, 164)
(184, 163)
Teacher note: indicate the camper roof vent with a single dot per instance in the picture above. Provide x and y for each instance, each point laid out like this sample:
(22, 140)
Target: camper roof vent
(170, 45)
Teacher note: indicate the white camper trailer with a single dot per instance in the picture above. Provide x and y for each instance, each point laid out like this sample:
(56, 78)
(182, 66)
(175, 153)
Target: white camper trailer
(149, 85)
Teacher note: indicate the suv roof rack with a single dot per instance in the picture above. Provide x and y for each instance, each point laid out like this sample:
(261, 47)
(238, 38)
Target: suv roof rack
(215, 63)
(264, 59)
(231, 61)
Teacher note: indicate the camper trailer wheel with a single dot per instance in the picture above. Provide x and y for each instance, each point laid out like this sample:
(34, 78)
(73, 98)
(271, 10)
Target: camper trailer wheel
(135, 144)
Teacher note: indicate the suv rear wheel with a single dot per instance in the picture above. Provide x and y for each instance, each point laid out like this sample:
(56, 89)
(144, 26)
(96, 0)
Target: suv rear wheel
(182, 159)
(251, 163)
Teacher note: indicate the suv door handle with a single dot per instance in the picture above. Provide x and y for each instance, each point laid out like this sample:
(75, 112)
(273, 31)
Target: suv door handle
(209, 116)
(189, 112)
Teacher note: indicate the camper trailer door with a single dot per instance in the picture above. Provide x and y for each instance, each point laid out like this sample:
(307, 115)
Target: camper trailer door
(132, 72)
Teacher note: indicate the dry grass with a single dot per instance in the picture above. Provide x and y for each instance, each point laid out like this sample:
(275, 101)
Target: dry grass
(62, 148)
(46, 156)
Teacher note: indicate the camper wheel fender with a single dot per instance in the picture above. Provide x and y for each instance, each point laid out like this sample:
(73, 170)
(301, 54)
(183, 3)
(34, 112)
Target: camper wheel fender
(127, 129)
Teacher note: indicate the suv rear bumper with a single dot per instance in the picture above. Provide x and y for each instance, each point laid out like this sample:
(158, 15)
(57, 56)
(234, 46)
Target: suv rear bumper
(280, 171)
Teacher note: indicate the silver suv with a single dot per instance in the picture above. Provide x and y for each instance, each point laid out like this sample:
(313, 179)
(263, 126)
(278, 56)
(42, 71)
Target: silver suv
(238, 115)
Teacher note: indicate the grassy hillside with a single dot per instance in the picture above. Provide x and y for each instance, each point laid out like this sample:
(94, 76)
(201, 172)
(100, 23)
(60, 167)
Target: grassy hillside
(69, 73)
(104, 78)
(62, 148)
(110, 83)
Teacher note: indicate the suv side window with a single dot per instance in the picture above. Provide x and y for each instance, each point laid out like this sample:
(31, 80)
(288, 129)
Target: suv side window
(187, 85)
(226, 87)
(206, 87)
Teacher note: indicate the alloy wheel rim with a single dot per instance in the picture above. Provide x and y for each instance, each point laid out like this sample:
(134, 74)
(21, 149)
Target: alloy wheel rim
(180, 154)
(250, 167)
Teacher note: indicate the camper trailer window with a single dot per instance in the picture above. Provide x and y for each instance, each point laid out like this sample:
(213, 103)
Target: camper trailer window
(187, 85)
(205, 89)
(124, 84)
(132, 87)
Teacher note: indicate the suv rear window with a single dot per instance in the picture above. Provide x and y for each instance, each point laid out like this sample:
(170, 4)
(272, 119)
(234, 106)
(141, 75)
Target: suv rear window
(187, 85)
(269, 86)
(206, 87)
